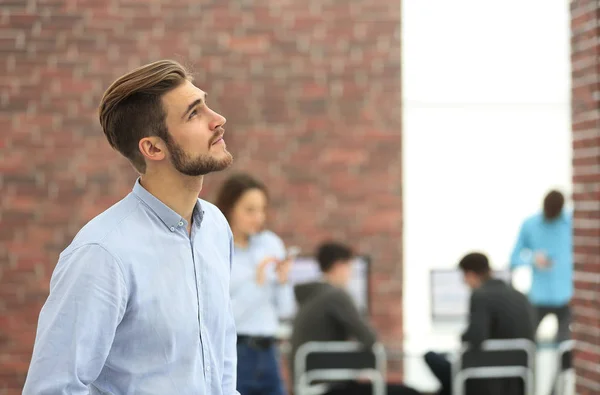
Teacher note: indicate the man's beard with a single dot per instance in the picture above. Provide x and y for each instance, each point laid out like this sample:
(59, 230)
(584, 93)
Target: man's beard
(198, 166)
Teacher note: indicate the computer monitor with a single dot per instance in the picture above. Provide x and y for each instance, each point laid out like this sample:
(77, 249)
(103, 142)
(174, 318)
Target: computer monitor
(450, 295)
(306, 269)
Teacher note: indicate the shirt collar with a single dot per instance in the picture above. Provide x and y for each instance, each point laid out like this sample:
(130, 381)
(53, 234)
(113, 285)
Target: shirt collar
(170, 218)
(563, 217)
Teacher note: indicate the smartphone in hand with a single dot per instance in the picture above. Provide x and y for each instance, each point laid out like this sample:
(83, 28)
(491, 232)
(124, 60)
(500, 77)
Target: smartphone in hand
(292, 253)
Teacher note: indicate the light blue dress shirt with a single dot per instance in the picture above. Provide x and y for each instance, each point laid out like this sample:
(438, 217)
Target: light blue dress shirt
(138, 306)
(257, 308)
(553, 286)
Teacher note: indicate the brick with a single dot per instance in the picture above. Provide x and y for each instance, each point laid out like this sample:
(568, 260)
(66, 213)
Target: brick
(311, 91)
(585, 52)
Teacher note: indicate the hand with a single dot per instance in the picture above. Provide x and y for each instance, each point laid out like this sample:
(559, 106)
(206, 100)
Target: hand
(363, 378)
(261, 272)
(541, 260)
(283, 270)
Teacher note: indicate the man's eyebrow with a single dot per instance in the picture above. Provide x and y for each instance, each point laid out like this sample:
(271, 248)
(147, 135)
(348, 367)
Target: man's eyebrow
(194, 104)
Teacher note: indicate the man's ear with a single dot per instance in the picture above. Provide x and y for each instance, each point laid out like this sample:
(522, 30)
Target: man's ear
(153, 148)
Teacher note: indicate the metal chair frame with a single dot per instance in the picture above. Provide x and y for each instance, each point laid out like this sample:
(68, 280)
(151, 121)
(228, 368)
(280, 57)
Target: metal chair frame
(526, 373)
(304, 378)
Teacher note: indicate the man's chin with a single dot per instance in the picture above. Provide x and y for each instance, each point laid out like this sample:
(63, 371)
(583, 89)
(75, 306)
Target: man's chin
(222, 162)
(206, 165)
(226, 159)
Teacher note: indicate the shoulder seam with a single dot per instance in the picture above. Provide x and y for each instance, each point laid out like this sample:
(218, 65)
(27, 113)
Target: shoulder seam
(117, 260)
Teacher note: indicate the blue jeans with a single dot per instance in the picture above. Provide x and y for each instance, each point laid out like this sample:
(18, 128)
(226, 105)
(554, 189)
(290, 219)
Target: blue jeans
(258, 371)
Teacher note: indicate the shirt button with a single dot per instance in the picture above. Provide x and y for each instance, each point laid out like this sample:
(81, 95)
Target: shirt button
(180, 223)
(172, 229)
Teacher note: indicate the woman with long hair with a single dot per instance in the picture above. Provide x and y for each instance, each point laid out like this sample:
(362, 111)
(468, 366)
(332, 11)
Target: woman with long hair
(259, 288)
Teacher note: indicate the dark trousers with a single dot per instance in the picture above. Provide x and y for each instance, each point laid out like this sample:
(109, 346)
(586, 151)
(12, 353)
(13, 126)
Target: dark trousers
(563, 315)
(354, 388)
(442, 370)
(258, 371)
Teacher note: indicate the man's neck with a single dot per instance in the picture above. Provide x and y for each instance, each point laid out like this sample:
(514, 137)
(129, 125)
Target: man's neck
(178, 192)
(483, 280)
(331, 280)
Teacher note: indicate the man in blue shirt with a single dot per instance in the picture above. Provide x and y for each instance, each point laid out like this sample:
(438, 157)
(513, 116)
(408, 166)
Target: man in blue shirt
(545, 243)
(139, 301)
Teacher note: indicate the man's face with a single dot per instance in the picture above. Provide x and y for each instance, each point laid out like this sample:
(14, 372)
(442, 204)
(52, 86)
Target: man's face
(343, 272)
(195, 132)
(472, 280)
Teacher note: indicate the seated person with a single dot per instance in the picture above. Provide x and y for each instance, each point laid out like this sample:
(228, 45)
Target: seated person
(327, 313)
(497, 311)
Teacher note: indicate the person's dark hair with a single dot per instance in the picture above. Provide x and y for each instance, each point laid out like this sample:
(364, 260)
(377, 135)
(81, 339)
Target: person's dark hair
(331, 252)
(132, 109)
(232, 190)
(475, 262)
(553, 205)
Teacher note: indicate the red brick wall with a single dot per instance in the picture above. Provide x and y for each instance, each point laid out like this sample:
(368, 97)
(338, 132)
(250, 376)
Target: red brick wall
(311, 90)
(585, 55)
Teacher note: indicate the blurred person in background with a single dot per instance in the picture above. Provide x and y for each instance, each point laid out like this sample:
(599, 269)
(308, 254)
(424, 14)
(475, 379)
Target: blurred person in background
(496, 311)
(545, 243)
(260, 291)
(139, 300)
(328, 313)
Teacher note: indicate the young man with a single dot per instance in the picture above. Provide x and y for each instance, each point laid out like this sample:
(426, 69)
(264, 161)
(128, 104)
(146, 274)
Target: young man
(497, 311)
(139, 301)
(327, 313)
(548, 238)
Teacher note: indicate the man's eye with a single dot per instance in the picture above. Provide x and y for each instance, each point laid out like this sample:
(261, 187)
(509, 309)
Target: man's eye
(193, 113)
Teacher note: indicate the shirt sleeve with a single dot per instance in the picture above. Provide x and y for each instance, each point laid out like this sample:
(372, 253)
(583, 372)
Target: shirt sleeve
(229, 380)
(77, 324)
(277, 246)
(479, 321)
(283, 294)
(345, 312)
(522, 244)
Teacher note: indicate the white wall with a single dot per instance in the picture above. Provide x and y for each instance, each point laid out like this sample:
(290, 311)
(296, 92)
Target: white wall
(486, 93)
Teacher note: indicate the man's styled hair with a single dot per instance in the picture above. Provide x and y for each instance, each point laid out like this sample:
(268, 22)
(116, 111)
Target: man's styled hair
(132, 109)
(232, 190)
(475, 262)
(331, 252)
(553, 205)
